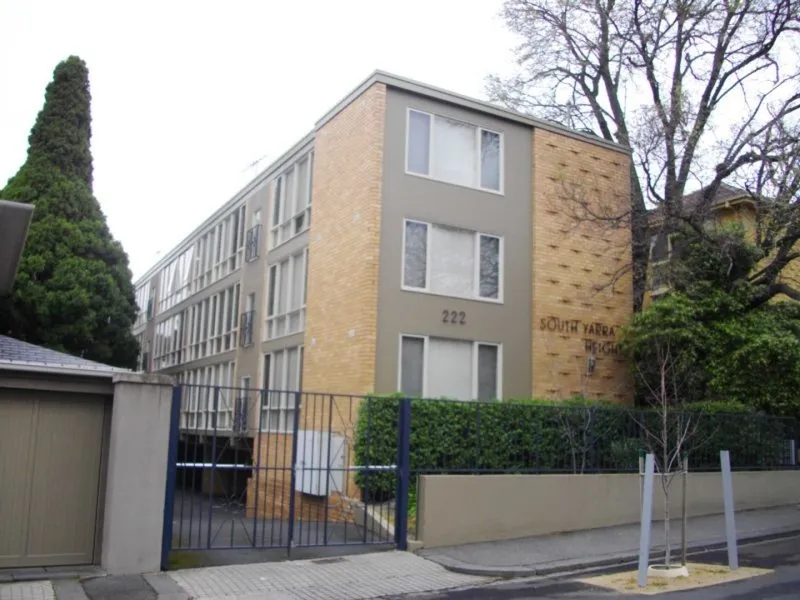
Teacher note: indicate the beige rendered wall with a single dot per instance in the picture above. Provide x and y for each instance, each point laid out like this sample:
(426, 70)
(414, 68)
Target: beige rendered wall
(572, 256)
(461, 509)
(137, 468)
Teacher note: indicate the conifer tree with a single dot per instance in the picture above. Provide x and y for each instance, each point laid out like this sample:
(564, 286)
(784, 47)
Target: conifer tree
(73, 290)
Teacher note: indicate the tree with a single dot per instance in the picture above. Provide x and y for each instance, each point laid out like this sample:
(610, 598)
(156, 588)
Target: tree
(73, 290)
(662, 77)
(723, 349)
(668, 430)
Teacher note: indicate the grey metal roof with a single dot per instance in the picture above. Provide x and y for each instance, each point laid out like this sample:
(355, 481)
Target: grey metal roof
(16, 354)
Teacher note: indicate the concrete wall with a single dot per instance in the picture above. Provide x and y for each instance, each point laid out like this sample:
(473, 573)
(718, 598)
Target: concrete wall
(136, 476)
(461, 509)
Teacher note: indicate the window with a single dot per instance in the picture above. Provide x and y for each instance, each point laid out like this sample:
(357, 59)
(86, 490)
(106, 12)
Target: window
(208, 398)
(452, 262)
(453, 151)
(663, 248)
(438, 367)
(282, 380)
(286, 296)
(291, 201)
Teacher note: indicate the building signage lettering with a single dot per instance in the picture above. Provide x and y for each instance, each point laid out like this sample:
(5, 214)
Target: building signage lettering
(595, 329)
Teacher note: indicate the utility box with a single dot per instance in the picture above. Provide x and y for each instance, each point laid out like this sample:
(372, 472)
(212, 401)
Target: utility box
(321, 465)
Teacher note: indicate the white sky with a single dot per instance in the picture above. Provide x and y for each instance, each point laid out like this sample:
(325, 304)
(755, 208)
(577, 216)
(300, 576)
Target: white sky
(185, 95)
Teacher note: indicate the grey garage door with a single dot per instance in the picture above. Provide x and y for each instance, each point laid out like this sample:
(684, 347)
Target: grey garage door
(50, 457)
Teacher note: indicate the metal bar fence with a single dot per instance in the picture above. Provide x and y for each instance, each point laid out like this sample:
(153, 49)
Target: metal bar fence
(306, 469)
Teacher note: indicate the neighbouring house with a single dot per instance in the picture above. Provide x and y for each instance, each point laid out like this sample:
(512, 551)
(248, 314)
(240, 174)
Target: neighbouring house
(730, 205)
(442, 259)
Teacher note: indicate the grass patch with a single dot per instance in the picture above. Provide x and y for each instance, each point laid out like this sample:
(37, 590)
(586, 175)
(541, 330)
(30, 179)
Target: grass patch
(184, 559)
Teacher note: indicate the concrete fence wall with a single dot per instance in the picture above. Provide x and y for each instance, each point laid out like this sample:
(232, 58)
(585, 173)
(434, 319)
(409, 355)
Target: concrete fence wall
(461, 509)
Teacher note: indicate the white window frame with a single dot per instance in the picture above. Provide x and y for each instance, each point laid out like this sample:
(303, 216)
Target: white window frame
(289, 211)
(283, 392)
(285, 317)
(477, 267)
(432, 145)
(425, 355)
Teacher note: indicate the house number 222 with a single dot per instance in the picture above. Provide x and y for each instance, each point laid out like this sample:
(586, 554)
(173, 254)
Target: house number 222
(454, 317)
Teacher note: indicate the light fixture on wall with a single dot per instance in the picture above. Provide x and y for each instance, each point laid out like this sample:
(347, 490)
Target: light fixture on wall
(591, 363)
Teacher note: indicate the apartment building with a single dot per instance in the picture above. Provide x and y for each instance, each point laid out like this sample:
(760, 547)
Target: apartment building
(415, 240)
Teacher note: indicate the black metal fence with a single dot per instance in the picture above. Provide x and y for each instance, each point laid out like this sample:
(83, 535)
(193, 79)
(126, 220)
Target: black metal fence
(260, 469)
(280, 469)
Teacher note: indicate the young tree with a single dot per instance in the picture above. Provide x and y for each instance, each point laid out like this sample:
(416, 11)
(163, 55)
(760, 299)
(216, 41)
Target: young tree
(73, 290)
(704, 92)
(668, 430)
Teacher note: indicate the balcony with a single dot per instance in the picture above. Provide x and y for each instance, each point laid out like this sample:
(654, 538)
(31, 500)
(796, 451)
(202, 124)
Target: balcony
(246, 321)
(146, 362)
(252, 243)
(240, 409)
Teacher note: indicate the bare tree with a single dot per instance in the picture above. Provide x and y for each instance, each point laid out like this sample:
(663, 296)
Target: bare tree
(705, 92)
(668, 430)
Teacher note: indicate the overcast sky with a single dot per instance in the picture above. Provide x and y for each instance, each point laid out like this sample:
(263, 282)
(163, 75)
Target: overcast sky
(185, 95)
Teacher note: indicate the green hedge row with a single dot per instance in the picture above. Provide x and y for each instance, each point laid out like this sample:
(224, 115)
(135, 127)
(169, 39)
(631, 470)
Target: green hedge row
(575, 436)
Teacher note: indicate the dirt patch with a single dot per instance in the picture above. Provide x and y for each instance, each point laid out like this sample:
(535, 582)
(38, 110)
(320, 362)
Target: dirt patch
(700, 575)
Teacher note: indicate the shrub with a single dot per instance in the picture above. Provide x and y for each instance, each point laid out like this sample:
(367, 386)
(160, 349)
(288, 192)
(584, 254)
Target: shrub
(575, 436)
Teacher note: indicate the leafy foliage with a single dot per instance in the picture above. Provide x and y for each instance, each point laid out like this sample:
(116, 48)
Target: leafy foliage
(73, 291)
(533, 436)
(726, 350)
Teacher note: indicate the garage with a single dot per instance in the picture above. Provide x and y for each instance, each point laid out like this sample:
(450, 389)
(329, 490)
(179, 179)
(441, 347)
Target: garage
(55, 411)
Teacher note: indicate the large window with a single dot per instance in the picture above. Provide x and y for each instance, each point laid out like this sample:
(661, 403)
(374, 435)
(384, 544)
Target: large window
(214, 323)
(220, 250)
(208, 398)
(291, 201)
(283, 380)
(454, 151)
(452, 262)
(286, 296)
(170, 342)
(433, 367)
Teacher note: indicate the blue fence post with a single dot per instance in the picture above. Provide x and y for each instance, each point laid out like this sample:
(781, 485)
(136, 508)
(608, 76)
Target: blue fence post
(403, 473)
(293, 474)
(172, 470)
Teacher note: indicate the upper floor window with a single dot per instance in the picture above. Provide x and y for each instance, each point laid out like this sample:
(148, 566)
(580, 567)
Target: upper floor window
(291, 201)
(454, 151)
(452, 262)
(286, 296)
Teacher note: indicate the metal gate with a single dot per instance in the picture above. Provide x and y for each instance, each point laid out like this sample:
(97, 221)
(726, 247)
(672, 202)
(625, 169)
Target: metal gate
(260, 469)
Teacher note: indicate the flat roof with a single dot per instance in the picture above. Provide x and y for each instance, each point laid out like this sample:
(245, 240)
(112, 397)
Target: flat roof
(398, 82)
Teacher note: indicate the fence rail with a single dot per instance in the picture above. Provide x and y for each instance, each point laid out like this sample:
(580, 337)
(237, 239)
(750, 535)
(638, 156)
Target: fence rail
(277, 468)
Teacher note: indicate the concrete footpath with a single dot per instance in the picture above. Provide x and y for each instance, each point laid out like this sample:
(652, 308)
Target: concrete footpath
(356, 577)
(580, 550)
(406, 575)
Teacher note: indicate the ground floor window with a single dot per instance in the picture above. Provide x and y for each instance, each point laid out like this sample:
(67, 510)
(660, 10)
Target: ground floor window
(283, 379)
(434, 367)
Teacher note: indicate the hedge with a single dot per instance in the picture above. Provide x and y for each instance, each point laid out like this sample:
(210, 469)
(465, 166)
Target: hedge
(575, 436)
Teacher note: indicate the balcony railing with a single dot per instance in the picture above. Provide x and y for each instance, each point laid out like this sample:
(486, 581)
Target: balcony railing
(246, 321)
(240, 409)
(146, 362)
(252, 243)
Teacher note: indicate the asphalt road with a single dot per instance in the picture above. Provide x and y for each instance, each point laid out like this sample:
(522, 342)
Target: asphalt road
(784, 583)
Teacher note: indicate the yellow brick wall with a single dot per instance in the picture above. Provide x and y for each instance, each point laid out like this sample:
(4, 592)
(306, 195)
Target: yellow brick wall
(343, 252)
(571, 257)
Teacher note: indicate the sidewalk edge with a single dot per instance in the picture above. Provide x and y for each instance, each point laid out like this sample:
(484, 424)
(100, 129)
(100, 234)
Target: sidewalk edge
(457, 566)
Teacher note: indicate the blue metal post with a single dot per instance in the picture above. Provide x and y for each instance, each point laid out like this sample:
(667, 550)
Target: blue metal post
(403, 473)
(172, 471)
(293, 478)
